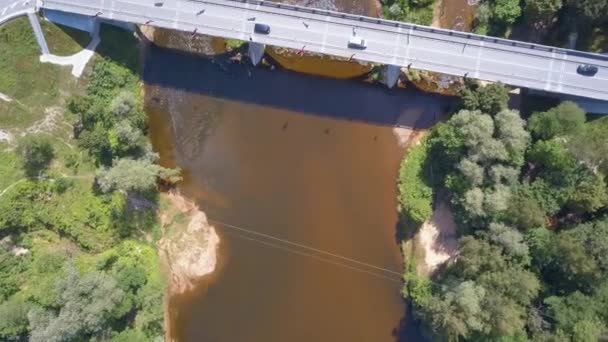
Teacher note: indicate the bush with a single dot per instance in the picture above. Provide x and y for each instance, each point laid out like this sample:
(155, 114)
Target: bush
(411, 11)
(36, 153)
(13, 319)
(415, 195)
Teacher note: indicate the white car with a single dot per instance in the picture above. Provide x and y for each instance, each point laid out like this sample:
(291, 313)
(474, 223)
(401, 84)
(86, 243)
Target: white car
(356, 42)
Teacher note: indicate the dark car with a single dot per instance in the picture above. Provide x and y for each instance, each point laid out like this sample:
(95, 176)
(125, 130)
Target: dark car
(261, 29)
(587, 70)
(158, 4)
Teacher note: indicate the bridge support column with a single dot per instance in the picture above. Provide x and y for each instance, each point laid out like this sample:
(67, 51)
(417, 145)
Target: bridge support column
(390, 75)
(33, 18)
(256, 52)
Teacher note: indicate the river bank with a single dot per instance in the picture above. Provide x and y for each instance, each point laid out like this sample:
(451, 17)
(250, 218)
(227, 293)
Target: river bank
(199, 115)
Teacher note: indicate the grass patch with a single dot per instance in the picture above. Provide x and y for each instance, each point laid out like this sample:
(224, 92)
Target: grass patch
(10, 169)
(63, 40)
(31, 84)
(415, 194)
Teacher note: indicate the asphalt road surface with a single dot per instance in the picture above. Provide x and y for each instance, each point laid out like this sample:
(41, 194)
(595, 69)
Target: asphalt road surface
(419, 47)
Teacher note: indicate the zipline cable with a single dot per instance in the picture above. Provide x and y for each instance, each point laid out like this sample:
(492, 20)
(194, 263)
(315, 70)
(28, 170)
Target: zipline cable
(339, 264)
(305, 247)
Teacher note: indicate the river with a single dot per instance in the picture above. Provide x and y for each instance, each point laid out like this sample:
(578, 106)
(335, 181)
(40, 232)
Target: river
(297, 173)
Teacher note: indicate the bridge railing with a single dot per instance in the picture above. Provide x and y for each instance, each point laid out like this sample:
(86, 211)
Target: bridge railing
(397, 24)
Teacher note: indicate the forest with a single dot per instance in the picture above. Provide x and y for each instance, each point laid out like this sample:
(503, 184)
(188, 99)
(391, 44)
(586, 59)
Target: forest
(530, 200)
(78, 228)
(550, 22)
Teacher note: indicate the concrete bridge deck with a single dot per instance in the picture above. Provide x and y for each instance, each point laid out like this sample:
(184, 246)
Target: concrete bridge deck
(392, 43)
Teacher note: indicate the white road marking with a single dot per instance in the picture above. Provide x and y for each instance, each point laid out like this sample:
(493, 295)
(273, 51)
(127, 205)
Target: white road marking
(327, 20)
(550, 75)
(244, 23)
(397, 46)
(478, 61)
(112, 4)
(505, 60)
(407, 51)
(176, 20)
(561, 73)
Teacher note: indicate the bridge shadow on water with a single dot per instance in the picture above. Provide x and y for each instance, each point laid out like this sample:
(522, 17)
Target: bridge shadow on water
(332, 98)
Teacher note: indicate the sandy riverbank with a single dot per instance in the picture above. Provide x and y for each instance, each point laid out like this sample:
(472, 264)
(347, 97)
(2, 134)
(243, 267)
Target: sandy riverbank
(187, 249)
(189, 243)
(437, 239)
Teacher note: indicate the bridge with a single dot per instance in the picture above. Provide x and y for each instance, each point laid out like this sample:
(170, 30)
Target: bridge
(394, 44)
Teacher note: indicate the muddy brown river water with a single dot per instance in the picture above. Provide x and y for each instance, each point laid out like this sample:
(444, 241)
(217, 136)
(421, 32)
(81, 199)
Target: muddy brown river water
(297, 173)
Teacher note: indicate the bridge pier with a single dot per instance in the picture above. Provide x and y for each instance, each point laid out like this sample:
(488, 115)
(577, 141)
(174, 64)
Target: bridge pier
(390, 75)
(256, 52)
(38, 33)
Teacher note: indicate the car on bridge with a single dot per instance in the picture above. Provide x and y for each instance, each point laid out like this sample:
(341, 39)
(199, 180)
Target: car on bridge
(587, 70)
(357, 42)
(261, 28)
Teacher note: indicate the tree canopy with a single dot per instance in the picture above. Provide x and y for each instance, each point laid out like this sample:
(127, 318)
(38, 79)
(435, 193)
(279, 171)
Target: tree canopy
(530, 209)
(36, 153)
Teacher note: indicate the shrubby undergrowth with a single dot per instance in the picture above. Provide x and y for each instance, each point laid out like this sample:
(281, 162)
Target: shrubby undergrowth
(530, 200)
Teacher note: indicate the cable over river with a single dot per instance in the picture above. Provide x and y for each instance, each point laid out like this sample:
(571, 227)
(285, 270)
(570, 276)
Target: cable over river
(297, 174)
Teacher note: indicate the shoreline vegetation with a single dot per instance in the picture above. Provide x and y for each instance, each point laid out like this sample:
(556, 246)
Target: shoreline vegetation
(529, 201)
(525, 199)
(81, 210)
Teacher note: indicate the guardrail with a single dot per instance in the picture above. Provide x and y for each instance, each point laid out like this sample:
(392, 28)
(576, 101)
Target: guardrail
(397, 24)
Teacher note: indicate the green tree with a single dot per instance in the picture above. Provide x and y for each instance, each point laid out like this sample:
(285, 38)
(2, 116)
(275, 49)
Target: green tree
(592, 9)
(577, 315)
(590, 145)
(79, 104)
(590, 194)
(457, 312)
(129, 175)
(36, 153)
(125, 140)
(571, 268)
(13, 319)
(525, 212)
(510, 239)
(11, 266)
(87, 304)
(123, 105)
(506, 11)
(542, 10)
(131, 335)
(97, 144)
(473, 173)
(415, 195)
(565, 119)
(556, 163)
(511, 132)
(489, 99)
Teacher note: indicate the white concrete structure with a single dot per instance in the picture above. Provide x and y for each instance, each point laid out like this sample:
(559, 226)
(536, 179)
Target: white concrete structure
(79, 60)
(388, 42)
(33, 18)
(10, 9)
